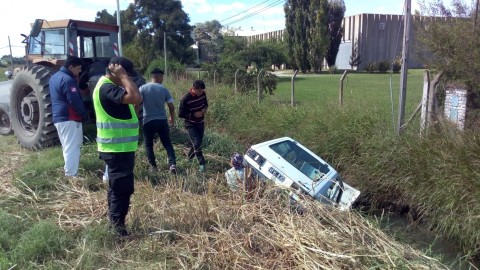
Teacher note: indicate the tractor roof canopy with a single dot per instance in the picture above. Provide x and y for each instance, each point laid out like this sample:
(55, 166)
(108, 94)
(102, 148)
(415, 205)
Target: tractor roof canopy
(81, 25)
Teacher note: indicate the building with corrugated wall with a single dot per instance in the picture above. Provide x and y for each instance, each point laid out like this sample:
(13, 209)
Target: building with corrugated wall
(379, 37)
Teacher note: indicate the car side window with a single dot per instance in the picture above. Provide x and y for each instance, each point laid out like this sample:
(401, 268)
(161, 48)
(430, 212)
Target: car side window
(301, 160)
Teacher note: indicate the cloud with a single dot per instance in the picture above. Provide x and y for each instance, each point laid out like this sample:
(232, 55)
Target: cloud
(196, 6)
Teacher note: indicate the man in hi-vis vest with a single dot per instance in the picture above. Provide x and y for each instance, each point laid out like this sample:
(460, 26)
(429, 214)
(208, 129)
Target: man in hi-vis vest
(114, 99)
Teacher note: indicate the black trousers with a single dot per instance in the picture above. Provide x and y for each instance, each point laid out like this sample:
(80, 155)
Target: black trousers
(195, 132)
(120, 185)
(159, 126)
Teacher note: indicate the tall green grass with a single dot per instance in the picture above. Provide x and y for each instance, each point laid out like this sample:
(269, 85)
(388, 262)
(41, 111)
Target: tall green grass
(435, 175)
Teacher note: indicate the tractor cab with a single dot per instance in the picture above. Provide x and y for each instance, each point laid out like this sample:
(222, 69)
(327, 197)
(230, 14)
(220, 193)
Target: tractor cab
(51, 42)
(47, 47)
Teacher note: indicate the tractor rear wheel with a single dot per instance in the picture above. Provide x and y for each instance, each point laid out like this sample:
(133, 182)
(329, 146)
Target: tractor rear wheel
(5, 125)
(31, 108)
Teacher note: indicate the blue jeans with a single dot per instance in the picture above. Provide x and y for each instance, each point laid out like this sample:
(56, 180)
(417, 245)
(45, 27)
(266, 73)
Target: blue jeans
(160, 127)
(195, 132)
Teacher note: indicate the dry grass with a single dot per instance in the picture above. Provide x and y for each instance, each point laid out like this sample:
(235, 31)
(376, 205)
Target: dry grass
(176, 228)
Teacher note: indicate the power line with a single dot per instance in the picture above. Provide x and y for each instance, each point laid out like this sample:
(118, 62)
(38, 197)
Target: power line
(243, 11)
(255, 13)
(13, 46)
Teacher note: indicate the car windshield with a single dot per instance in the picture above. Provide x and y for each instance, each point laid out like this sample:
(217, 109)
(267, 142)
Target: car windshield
(300, 159)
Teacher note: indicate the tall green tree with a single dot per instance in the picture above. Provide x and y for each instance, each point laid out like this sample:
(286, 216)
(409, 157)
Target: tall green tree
(127, 20)
(317, 33)
(306, 33)
(297, 25)
(264, 54)
(154, 18)
(336, 13)
(209, 36)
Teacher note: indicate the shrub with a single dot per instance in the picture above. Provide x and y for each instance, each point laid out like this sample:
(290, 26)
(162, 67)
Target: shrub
(383, 66)
(246, 81)
(397, 65)
(370, 67)
(172, 66)
(332, 69)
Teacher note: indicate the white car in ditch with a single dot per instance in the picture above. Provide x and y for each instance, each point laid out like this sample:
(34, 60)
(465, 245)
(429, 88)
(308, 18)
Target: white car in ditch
(291, 165)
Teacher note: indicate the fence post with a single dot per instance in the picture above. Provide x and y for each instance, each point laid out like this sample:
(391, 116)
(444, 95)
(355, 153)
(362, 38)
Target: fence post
(236, 90)
(293, 88)
(340, 93)
(214, 79)
(259, 92)
(424, 111)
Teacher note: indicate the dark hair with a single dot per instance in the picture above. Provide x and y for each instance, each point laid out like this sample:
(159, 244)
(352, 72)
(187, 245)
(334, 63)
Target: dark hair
(126, 64)
(73, 61)
(156, 71)
(198, 84)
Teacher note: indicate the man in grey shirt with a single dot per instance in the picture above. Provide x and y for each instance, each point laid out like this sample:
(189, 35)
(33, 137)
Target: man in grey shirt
(155, 95)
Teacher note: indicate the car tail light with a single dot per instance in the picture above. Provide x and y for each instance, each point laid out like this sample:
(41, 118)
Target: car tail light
(255, 156)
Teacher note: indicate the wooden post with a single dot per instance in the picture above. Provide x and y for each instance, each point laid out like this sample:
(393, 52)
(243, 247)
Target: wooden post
(293, 88)
(236, 89)
(259, 92)
(340, 93)
(431, 98)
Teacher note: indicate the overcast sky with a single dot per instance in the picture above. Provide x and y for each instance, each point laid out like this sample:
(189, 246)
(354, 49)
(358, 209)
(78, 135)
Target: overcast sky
(256, 15)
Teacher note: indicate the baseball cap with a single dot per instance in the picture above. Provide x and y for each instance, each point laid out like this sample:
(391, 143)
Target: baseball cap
(125, 63)
(157, 71)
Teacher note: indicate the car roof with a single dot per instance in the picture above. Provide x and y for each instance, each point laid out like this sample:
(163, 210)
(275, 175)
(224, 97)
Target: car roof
(274, 141)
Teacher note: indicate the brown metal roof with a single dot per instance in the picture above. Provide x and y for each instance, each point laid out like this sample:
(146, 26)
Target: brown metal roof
(81, 24)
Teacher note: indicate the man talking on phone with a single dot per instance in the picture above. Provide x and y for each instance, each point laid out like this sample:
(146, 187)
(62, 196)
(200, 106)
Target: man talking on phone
(115, 98)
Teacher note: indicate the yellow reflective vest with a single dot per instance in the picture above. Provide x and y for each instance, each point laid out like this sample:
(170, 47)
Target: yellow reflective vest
(114, 135)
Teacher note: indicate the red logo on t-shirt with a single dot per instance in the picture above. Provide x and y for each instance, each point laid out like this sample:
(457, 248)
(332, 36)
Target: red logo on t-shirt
(73, 89)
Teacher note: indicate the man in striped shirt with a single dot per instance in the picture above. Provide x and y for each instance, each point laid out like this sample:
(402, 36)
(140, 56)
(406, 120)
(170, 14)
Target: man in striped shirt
(193, 107)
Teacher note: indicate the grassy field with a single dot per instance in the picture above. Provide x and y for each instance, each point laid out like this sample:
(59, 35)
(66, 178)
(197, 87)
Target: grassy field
(360, 89)
(194, 222)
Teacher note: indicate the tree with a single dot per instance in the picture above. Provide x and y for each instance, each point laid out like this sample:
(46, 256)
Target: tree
(336, 13)
(208, 35)
(154, 18)
(355, 59)
(448, 41)
(129, 30)
(264, 53)
(306, 33)
(317, 34)
(296, 25)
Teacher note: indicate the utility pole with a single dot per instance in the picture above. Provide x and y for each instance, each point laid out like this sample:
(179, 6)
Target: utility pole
(11, 57)
(120, 52)
(404, 71)
(165, 51)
